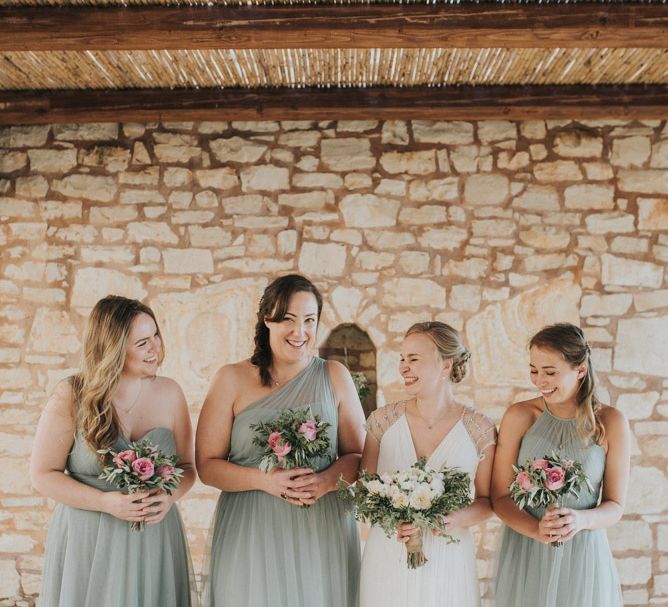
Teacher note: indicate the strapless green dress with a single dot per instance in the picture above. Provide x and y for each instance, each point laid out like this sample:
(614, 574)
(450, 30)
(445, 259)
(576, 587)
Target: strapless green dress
(93, 559)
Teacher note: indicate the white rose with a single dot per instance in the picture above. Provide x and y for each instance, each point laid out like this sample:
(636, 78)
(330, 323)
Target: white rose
(421, 498)
(436, 486)
(400, 500)
(375, 486)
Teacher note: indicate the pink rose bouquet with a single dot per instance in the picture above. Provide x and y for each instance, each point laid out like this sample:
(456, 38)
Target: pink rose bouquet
(546, 481)
(141, 467)
(293, 440)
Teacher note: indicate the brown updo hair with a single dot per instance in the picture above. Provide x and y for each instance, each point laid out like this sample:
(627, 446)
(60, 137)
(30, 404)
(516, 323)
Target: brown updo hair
(273, 307)
(449, 344)
(569, 341)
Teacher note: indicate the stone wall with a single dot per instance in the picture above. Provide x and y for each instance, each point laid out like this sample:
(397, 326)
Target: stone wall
(495, 227)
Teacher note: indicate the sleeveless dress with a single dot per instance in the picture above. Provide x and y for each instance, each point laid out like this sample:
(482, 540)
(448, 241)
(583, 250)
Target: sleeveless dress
(581, 573)
(266, 552)
(93, 559)
(449, 578)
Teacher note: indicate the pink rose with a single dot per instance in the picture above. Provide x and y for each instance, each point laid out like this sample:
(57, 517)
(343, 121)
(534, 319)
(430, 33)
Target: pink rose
(166, 472)
(309, 429)
(143, 468)
(274, 437)
(555, 478)
(123, 457)
(540, 464)
(524, 481)
(279, 445)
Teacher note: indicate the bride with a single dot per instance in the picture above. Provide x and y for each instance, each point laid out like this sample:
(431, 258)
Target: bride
(433, 425)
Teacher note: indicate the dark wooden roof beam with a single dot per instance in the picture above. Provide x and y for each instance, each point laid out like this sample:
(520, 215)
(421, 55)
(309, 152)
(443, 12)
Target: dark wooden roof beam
(485, 25)
(429, 103)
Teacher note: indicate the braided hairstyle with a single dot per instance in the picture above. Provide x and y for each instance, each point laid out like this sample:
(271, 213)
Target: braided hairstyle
(569, 341)
(449, 344)
(273, 307)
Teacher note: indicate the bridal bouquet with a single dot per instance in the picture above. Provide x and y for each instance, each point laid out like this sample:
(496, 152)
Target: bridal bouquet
(546, 481)
(294, 439)
(419, 496)
(141, 467)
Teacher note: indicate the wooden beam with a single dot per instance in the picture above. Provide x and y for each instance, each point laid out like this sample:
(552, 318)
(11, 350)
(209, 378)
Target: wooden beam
(429, 103)
(485, 25)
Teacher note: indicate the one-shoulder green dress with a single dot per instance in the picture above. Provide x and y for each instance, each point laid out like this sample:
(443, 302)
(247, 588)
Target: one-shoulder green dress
(581, 573)
(93, 559)
(268, 553)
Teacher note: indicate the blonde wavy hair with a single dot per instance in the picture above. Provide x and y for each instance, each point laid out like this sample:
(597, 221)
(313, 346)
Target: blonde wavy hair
(569, 341)
(449, 344)
(102, 362)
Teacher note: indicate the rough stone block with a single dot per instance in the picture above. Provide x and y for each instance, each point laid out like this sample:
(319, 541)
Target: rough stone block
(90, 187)
(653, 213)
(559, 170)
(347, 154)
(412, 292)
(537, 198)
(187, 261)
(443, 239)
(267, 177)
(450, 133)
(629, 272)
(394, 132)
(589, 196)
(630, 152)
(605, 305)
(369, 211)
(92, 284)
(414, 163)
(642, 346)
(643, 181)
(218, 179)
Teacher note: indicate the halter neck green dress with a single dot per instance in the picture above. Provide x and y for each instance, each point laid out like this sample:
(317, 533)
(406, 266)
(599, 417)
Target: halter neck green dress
(268, 553)
(582, 572)
(93, 559)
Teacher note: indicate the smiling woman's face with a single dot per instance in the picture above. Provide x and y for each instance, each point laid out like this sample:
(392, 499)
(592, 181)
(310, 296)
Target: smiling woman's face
(557, 380)
(293, 338)
(421, 366)
(143, 349)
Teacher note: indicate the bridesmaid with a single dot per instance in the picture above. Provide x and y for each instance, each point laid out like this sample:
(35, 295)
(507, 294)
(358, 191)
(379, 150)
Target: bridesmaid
(92, 557)
(266, 550)
(566, 418)
(433, 425)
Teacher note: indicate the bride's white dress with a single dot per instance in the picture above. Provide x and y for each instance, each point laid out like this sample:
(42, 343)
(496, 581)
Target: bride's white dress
(449, 578)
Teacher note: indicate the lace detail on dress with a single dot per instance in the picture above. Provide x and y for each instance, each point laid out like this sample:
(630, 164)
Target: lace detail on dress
(481, 429)
(381, 419)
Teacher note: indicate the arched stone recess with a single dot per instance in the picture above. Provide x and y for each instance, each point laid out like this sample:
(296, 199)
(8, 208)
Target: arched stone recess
(353, 347)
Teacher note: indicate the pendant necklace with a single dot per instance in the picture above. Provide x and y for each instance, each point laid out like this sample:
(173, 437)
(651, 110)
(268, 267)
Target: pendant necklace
(134, 402)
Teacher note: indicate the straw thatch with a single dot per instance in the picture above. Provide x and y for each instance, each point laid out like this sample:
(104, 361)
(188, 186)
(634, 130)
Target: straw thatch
(329, 67)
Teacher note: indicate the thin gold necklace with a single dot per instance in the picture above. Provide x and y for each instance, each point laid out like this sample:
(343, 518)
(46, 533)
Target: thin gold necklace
(438, 419)
(134, 402)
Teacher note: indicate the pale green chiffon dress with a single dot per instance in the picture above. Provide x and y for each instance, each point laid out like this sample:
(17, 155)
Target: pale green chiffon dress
(582, 572)
(266, 552)
(93, 559)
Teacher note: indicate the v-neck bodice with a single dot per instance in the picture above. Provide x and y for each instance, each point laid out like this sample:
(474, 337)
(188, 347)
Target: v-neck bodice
(456, 449)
